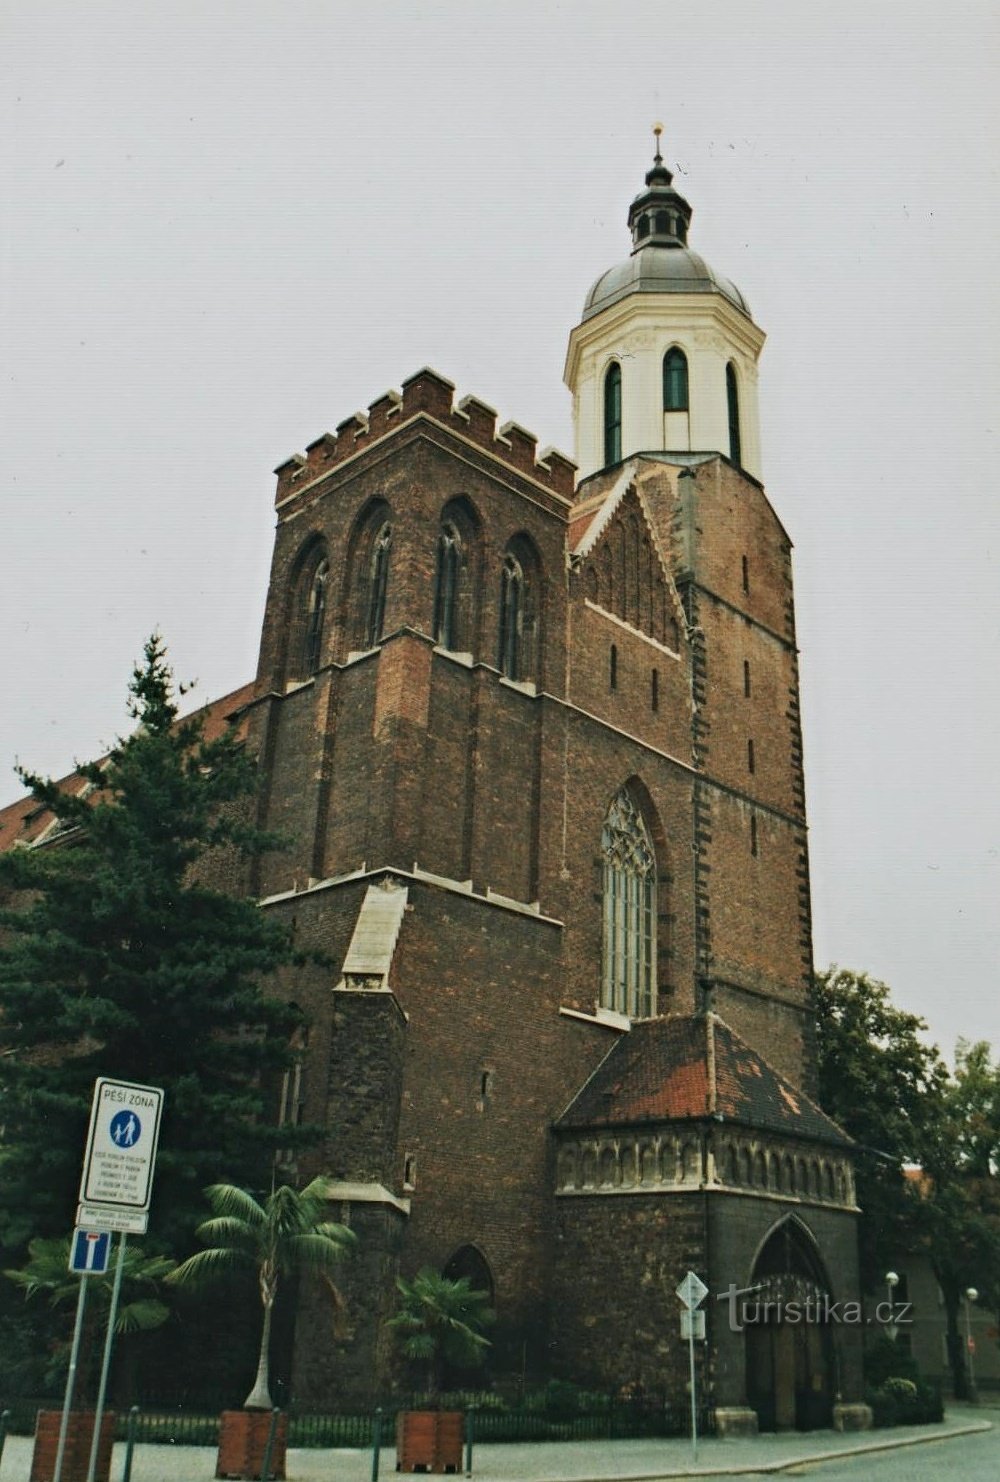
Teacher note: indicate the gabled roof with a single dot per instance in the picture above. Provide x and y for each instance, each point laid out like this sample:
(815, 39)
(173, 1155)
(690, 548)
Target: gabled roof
(694, 1067)
(24, 822)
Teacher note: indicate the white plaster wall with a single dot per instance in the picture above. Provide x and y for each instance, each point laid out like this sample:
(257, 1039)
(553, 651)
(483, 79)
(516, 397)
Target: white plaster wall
(637, 333)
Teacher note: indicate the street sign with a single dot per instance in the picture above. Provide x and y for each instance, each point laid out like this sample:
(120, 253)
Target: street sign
(121, 1145)
(692, 1290)
(90, 1252)
(103, 1217)
(692, 1324)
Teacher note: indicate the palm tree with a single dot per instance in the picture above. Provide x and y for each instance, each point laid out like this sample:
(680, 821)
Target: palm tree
(286, 1234)
(139, 1308)
(440, 1322)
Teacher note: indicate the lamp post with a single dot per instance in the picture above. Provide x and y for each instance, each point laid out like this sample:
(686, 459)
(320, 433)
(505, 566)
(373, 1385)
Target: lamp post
(891, 1283)
(970, 1296)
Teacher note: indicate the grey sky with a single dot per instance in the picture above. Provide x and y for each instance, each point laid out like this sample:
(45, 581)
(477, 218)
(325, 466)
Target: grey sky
(230, 225)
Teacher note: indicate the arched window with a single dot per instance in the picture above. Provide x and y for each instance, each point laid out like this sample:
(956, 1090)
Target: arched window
(629, 892)
(315, 613)
(733, 406)
(378, 581)
(613, 414)
(511, 657)
(675, 381)
(449, 564)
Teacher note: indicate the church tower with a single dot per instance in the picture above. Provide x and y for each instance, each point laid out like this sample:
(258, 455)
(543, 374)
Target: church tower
(665, 356)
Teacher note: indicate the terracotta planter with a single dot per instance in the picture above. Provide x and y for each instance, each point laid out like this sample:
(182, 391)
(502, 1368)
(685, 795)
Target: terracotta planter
(79, 1435)
(429, 1441)
(242, 1441)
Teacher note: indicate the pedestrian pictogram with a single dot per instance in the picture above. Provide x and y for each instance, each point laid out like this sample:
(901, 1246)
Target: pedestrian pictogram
(90, 1252)
(125, 1129)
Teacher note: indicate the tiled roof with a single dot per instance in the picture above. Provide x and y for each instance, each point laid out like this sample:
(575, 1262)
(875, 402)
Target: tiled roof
(24, 821)
(683, 1067)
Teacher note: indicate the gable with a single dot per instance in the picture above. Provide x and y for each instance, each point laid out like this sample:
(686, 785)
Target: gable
(623, 568)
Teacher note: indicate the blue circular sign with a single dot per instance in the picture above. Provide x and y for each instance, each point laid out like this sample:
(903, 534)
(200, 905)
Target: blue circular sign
(125, 1129)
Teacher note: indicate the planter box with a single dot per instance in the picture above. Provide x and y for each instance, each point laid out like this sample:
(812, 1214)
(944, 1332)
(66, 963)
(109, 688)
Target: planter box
(242, 1441)
(79, 1435)
(429, 1441)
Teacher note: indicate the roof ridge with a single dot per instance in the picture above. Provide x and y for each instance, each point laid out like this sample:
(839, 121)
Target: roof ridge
(797, 1090)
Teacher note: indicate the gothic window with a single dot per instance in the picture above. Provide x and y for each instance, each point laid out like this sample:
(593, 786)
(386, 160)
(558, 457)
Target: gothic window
(733, 408)
(449, 564)
(312, 645)
(378, 580)
(675, 381)
(629, 895)
(511, 617)
(613, 414)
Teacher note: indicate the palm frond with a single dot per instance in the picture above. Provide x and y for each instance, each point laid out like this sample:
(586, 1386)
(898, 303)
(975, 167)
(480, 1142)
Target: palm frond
(142, 1316)
(209, 1265)
(227, 1199)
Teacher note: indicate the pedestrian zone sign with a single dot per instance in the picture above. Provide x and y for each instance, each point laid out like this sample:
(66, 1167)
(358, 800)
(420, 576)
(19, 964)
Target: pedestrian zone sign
(121, 1145)
(90, 1252)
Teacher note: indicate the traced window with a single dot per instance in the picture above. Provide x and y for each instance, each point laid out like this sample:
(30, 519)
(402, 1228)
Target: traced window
(733, 408)
(629, 892)
(315, 614)
(378, 581)
(292, 1096)
(511, 617)
(613, 414)
(449, 566)
(675, 381)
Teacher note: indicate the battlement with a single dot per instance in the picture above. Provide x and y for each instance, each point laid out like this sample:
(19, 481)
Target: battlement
(428, 392)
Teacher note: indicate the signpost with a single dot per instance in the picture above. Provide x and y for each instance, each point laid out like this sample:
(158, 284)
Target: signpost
(692, 1291)
(115, 1188)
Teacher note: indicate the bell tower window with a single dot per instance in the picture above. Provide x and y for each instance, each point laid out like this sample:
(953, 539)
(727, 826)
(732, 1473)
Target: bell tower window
(733, 408)
(629, 911)
(675, 381)
(511, 618)
(378, 581)
(613, 414)
(449, 560)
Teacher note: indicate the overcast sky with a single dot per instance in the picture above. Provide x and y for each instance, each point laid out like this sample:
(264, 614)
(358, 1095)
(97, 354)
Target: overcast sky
(229, 225)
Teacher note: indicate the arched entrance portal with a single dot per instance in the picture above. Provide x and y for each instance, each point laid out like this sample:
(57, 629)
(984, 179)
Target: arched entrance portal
(469, 1261)
(789, 1344)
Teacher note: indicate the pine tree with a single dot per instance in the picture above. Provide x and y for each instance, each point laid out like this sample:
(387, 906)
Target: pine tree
(118, 959)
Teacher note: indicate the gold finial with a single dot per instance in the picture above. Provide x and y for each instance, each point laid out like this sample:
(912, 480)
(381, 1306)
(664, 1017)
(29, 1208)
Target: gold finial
(657, 131)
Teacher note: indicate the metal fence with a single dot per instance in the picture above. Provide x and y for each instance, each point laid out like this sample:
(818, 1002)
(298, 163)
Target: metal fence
(588, 1417)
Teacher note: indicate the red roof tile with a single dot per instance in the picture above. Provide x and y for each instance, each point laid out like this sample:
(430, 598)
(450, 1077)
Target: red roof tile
(661, 1071)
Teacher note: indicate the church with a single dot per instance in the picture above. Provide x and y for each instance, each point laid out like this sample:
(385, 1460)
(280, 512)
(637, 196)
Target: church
(529, 730)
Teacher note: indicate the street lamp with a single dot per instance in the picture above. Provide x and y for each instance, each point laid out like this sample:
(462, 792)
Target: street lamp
(891, 1283)
(970, 1296)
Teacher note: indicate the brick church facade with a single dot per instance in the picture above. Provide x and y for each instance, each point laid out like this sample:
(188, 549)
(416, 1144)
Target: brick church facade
(532, 738)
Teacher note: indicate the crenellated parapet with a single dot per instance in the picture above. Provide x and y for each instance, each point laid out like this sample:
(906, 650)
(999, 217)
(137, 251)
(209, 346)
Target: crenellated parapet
(428, 394)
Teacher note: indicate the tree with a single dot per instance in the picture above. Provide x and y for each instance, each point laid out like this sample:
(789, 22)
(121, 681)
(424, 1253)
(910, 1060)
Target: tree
(118, 959)
(960, 1213)
(286, 1235)
(893, 1093)
(441, 1322)
(140, 1309)
(884, 1085)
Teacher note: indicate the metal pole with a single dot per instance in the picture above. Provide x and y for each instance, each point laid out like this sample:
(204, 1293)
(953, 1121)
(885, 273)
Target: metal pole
(376, 1442)
(4, 1421)
(694, 1397)
(74, 1355)
(970, 1350)
(265, 1470)
(133, 1417)
(109, 1339)
(470, 1431)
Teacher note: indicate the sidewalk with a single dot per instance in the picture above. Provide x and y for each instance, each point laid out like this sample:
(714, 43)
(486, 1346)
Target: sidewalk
(581, 1461)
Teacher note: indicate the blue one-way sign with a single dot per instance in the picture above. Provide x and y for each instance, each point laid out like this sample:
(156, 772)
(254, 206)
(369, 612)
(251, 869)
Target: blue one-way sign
(90, 1252)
